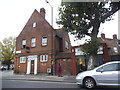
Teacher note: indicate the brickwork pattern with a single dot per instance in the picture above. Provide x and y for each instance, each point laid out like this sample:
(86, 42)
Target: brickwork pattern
(42, 28)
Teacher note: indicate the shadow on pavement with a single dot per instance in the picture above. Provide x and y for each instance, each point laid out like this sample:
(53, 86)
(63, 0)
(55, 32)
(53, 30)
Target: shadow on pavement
(107, 87)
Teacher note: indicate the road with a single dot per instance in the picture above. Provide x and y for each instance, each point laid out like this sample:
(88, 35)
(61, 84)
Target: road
(36, 84)
(44, 84)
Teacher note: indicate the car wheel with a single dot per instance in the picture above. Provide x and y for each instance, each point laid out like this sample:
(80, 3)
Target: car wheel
(89, 83)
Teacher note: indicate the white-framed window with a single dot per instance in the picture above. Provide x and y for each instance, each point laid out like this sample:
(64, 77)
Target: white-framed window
(44, 41)
(23, 43)
(115, 49)
(34, 24)
(66, 45)
(33, 42)
(22, 59)
(43, 58)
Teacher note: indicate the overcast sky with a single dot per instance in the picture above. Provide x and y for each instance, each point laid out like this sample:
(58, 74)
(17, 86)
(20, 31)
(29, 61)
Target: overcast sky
(14, 14)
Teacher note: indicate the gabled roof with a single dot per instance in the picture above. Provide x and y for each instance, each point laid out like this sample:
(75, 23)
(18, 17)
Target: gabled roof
(60, 33)
(36, 16)
(108, 41)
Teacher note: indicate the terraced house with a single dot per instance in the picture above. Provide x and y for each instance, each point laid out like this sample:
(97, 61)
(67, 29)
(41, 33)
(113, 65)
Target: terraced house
(40, 47)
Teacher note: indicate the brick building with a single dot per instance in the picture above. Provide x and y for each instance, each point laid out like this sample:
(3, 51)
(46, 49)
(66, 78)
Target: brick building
(109, 50)
(40, 47)
(109, 47)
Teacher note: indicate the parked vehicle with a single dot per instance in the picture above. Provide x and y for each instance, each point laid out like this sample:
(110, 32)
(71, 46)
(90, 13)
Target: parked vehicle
(11, 67)
(3, 68)
(106, 74)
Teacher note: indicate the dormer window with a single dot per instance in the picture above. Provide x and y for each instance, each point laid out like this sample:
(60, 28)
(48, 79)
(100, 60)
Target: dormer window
(23, 43)
(33, 42)
(34, 24)
(44, 41)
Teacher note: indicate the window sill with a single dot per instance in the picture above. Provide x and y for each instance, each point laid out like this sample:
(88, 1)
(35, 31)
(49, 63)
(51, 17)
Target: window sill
(33, 47)
(44, 45)
(22, 63)
(23, 48)
(44, 61)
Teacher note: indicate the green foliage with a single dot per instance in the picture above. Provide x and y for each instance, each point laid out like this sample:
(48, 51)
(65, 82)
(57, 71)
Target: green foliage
(83, 19)
(7, 62)
(79, 17)
(7, 48)
(91, 47)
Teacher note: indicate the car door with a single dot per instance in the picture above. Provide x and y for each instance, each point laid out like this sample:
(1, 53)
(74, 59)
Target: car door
(107, 75)
(118, 69)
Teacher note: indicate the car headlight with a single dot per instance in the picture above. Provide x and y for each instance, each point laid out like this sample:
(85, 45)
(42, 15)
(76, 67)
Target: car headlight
(79, 76)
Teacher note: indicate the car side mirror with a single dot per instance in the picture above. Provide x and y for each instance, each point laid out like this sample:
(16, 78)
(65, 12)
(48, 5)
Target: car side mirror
(101, 70)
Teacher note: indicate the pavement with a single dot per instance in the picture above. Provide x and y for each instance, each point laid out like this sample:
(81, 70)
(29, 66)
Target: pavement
(10, 75)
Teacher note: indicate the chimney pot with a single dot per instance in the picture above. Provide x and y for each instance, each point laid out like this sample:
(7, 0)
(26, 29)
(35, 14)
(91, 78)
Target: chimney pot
(103, 36)
(42, 12)
(114, 36)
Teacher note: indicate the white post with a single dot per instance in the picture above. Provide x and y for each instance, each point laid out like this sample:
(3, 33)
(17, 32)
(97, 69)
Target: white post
(28, 66)
(51, 13)
(35, 66)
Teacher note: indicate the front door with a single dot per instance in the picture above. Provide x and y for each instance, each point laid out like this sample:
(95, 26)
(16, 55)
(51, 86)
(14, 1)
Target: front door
(32, 67)
(32, 64)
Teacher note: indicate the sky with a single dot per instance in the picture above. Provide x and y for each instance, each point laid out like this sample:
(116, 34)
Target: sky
(14, 14)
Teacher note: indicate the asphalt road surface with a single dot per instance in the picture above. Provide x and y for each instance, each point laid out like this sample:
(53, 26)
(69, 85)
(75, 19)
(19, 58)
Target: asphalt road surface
(36, 84)
(44, 84)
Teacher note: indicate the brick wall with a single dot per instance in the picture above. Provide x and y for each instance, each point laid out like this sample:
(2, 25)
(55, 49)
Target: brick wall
(42, 28)
(66, 65)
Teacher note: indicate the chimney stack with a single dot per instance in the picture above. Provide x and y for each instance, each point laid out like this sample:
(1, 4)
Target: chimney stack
(42, 12)
(103, 36)
(114, 36)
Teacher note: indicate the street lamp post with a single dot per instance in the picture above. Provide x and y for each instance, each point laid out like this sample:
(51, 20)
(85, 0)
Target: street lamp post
(51, 37)
(51, 13)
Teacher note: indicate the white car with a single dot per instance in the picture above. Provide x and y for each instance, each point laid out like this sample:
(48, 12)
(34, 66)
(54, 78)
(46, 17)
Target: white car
(3, 68)
(107, 74)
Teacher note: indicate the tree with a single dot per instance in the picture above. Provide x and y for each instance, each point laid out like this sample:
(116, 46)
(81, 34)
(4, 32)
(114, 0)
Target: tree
(91, 48)
(84, 19)
(7, 50)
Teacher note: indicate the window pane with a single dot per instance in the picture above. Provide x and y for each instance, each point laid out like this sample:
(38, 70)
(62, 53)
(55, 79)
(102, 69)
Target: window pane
(110, 67)
(99, 69)
(46, 57)
(33, 42)
(118, 67)
(22, 59)
(23, 43)
(44, 40)
(43, 58)
(66, 45)
(34, 24)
